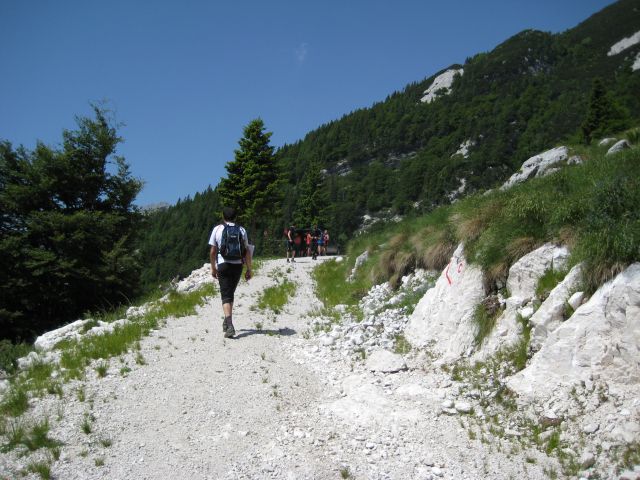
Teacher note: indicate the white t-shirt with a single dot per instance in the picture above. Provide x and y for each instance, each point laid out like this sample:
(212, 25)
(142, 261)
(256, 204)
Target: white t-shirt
(216, 239)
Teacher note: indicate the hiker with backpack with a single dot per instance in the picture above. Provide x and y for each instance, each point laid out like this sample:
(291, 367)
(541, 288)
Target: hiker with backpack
(229, 250)
(290, 234)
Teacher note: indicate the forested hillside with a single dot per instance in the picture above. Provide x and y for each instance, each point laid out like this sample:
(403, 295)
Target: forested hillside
(399, 156)
(73, 240)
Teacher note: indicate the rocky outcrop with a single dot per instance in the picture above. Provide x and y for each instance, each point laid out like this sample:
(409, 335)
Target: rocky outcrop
(551, 313)
(623, 44)
(50, 339)
(618, 147)
(197, 279)
(441, 85)
(361, 260)
(521, 283)
(538, 166)
(605, 142)
(442, 319)
(601, 340)
(464, 148)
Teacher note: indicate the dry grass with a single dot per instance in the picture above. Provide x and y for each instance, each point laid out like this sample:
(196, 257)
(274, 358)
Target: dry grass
(519, 247)
(599, 274)
(568, 236)
(433, 248)
(469, 228)
(494, 276)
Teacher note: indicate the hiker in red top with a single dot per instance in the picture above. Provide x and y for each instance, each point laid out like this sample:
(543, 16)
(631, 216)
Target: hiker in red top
(308, 243)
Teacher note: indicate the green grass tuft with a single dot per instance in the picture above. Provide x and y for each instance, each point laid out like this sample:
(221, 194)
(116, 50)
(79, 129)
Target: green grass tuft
(16, 401)
(549, 280)
(276, 297)
(401, 345)
(41, 468)
(484, 323)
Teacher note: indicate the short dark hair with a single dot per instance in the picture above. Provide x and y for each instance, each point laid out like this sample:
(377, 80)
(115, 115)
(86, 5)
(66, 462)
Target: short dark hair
(229, 214)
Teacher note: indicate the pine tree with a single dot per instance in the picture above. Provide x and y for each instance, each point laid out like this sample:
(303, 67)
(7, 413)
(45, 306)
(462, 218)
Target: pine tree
(67, 228)
(251, 185)
(313, 199)
(604, 115)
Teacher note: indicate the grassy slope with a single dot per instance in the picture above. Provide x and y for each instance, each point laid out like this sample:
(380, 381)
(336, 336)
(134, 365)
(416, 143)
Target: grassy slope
(593, 208)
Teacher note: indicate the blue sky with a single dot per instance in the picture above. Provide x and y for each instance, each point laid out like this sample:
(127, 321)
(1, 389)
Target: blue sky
(185, 77)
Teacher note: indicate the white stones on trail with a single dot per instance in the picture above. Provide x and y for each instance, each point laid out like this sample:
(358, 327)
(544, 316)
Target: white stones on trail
(385, 362)
(463, 407)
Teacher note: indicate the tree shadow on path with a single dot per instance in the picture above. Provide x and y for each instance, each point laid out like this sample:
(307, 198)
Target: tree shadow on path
(282, 332)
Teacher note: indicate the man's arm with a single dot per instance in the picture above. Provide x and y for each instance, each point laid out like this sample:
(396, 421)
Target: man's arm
(247, 261)
(213, 256)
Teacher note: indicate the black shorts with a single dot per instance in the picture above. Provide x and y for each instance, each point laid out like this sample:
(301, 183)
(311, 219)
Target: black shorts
(228, 277)
(289, 246)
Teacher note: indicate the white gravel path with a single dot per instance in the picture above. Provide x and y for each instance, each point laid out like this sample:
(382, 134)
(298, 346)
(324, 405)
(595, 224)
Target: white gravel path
(268, 404)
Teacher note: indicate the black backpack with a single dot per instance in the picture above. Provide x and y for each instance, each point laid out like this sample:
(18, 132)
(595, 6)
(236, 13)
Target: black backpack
(232, 243)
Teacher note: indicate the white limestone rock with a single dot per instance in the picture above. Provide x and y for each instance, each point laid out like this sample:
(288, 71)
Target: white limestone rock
(525, 273)
(465, 147)
(600, 340)
(463, 407)
(360, 260)
(623, 44)
(197, 279)
(618, 147)
(443, 317)
(385, 361)
(454, 194)
(576, 300)
(441, 85)
(521, 283)
(550, 314)
(50, 339)
(537, 166)
(607, 141)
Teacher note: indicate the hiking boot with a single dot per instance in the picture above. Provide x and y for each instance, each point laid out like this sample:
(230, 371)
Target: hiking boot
(230, 331)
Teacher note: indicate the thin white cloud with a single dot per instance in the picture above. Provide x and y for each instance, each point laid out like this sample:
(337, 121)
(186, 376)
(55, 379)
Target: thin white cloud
(301, 52)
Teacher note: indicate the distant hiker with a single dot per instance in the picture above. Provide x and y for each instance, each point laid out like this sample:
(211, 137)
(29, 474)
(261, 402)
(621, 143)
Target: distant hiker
(308, 241)
(229, 250)
(325, 245)
(320, 241)
(315, 236)
(297, 242)
(291, 231)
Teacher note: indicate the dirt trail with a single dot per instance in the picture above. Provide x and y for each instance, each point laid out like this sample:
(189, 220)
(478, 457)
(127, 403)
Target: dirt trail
(271, 403)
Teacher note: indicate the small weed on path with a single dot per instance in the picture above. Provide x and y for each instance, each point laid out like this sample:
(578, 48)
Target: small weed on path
(276, 297)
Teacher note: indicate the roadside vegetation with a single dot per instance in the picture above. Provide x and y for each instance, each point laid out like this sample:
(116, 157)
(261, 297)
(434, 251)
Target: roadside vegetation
(77, 359)
(592, 208)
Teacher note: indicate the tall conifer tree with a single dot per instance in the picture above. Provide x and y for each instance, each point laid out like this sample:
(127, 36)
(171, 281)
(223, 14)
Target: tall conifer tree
(251, 185)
